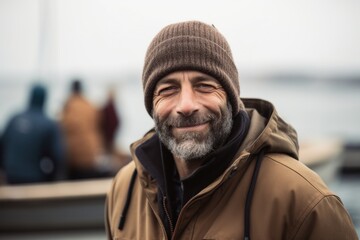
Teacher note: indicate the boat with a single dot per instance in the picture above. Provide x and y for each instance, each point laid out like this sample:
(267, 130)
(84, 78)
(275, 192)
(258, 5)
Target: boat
(324, 156)
(67, 205)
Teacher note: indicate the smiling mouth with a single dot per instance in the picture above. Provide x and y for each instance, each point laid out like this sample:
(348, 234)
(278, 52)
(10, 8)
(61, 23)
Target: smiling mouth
(192, 127)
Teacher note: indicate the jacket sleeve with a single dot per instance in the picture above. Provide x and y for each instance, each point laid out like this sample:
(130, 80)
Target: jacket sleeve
(108, 211)
(107, 220)
(327, 220)
(115, 199)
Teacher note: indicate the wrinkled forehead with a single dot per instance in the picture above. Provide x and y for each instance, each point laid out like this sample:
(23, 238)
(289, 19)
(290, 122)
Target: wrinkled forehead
(191, 76)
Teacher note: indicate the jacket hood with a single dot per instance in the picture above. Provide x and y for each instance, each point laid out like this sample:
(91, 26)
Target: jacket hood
(268, 129)
(37, 97)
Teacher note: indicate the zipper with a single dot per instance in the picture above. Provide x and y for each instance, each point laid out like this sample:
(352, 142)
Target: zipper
(158, 218)
(160, 223)
(228, 174)
(168, 215)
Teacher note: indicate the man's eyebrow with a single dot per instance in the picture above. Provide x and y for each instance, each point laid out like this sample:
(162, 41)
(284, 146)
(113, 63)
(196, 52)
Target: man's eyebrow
(202, 78)
(167, 81)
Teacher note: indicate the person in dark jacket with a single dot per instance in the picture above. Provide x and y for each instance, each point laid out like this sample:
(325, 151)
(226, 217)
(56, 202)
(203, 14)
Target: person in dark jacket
(109, 123)
(32, 144)
(216, 166)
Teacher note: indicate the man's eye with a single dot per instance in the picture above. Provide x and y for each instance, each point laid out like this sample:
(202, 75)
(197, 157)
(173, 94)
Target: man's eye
(206, 88)
(166, 91)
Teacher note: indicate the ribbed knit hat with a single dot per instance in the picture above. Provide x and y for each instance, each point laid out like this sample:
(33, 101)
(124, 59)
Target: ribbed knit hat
(190, 45)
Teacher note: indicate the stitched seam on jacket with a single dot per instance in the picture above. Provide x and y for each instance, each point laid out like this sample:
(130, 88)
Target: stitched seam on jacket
(307, 210)
(277, 161)
(306, 214)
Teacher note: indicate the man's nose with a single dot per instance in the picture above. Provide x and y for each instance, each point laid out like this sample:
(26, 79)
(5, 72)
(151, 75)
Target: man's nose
(187, 102)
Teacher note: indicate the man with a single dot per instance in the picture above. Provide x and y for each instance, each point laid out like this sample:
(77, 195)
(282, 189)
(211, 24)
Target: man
(32, 145)
(215, 166)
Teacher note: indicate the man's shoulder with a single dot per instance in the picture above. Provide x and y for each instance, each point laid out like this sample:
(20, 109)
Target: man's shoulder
(295, 175)
(122, 178)
(126, 171)
(120, 185)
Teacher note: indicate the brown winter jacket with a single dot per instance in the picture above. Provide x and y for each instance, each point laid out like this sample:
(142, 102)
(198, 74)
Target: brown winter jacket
(80, 124)
(289, 200)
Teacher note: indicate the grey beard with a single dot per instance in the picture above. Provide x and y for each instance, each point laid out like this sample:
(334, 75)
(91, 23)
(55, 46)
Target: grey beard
(195, 145)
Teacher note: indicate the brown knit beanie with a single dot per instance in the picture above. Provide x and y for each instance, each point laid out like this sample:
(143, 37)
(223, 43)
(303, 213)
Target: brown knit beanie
(190, 45)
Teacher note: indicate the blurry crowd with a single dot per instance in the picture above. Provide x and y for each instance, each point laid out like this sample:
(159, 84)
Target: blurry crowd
(80, 144)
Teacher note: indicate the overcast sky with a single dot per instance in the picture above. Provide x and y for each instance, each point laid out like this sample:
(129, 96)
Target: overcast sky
(111, 36)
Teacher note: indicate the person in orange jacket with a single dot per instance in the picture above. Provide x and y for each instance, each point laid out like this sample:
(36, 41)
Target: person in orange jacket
(80, 122)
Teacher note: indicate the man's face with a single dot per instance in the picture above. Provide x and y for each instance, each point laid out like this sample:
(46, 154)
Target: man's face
(191, 114)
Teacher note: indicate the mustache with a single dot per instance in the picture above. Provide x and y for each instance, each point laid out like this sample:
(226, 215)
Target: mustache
(193, 120)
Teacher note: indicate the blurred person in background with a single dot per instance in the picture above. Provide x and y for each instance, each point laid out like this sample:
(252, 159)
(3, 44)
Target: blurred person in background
(215, 166)
(80, 123)
(110, 122)
(32, 146)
